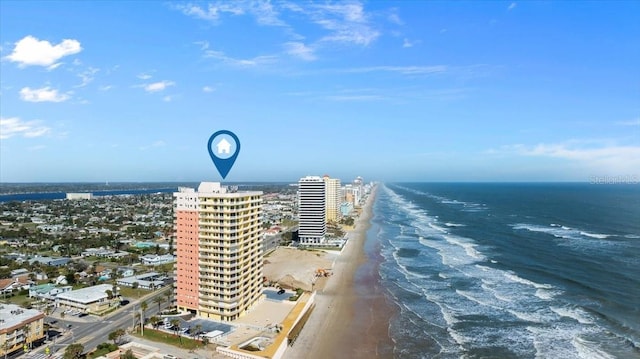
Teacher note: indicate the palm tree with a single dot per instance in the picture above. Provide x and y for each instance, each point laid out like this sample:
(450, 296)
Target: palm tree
(197, 329)
(168, 294)
(136, 319)
(175, 324)
(27, 334)
(5, 348)
(155, 320)
(143, 307)
(158, 300)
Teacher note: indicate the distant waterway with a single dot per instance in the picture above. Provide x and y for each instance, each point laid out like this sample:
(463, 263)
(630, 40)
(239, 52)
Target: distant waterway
(45, 196)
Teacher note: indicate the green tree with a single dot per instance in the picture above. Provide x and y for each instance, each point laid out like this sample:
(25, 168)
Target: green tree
(155, 321)
(158, 300)
(205, 341)
(5, 348)
(116, 335)
(73, 351)
(27, 334)
(128, 355)
(71, 278)
(196, 330)
(175, 325)
(143, 307)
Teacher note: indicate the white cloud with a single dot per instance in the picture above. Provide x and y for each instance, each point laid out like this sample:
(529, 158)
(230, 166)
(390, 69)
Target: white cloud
(358, 98)
(512, 6)
(347, 23)
(208, 89)
(300, 50)
(265, 13)
(405, 70)
(395, 18)
(13, 126)
(258, 60)
(158, 86)
(167, 98)
(407, 43)
(212, 12)
(598, 156)
(87, 76)
(106, 88)
(30, 51)
(156, 144)
(635, 122)
(45, 94)
(144, 76)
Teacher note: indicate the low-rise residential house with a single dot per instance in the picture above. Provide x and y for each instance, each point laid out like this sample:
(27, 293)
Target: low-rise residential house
(19, 327)
(19, 272)
(151, 280)
(50, 261)
(153, 260)
(10, 284)
(96, 299)
(126, 271)
(97, 252)
(47, 291)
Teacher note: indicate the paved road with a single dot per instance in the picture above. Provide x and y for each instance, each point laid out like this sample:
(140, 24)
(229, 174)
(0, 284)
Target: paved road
(91, 331)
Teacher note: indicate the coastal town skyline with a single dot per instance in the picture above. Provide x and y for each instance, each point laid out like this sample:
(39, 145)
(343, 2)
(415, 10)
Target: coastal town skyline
(393, 91)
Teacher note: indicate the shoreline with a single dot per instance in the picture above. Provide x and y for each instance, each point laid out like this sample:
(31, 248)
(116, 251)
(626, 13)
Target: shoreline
(351, 316)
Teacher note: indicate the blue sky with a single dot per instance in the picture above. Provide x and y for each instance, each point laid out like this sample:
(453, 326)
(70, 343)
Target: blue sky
(388, 90)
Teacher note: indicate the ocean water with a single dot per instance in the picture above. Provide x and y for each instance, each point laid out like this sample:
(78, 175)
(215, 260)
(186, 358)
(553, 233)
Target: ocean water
(511, 270)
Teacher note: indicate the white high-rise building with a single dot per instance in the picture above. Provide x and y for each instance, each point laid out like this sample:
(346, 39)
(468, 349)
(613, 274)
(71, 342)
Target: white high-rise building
(332, 198)
(311, 211)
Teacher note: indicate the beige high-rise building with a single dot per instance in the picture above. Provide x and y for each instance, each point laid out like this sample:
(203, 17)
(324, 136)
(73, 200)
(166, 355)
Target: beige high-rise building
(219, 251)
(332, 198)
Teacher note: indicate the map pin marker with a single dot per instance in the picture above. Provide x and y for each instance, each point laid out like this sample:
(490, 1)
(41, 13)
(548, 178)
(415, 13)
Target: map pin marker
(223, 147)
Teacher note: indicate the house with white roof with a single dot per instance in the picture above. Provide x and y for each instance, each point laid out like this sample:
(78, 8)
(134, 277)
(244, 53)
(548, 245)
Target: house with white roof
(93, 299)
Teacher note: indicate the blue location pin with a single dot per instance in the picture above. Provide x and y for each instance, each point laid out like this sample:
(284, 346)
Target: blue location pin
(223, 147)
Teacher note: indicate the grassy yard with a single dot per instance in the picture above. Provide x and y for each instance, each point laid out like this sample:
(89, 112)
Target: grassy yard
(167, 338)
(16, 299)
(133, 293)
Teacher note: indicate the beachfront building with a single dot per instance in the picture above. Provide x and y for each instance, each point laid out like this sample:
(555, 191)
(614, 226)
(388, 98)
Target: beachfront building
(312, 226)
(19, 327)
(332, 198)
(352, 194)
(219, 250)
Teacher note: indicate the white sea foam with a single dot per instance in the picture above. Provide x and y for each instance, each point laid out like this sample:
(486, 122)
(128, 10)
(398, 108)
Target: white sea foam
(449, 224)
(469, 248)
(437, 228)
(589, 350)
(532, 316)
(515, 278)
(595, 235)
(574, 313)
(546, 294)
(560, 231)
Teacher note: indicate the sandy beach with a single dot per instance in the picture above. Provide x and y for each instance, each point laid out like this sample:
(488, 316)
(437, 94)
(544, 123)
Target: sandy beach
(351, 317)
